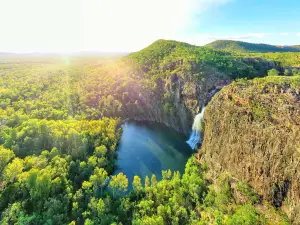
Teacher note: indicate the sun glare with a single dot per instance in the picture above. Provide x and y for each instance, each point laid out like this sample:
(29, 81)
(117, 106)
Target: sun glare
(77, 25)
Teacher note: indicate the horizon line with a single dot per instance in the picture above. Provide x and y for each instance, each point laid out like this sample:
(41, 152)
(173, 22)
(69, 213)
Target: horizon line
(2, 53)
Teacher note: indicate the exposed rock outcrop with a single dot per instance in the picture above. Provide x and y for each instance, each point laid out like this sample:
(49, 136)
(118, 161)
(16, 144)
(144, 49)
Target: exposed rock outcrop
(252, 131)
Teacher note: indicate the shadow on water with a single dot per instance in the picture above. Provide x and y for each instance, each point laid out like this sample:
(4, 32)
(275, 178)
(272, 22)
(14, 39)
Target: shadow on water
(147, 148)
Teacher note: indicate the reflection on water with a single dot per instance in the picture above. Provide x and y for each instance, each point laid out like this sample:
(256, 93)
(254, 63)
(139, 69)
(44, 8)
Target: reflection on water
(149, 148)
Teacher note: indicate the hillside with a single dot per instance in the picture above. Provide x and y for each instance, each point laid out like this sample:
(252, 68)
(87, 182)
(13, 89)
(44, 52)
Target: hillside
(178, 78)
(252, 132)
(164, 57)
(284, 59)
(245, 47)
(296, 46)
(175, 77)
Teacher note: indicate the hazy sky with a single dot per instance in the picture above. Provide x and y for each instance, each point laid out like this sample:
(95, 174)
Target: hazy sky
(129, 25)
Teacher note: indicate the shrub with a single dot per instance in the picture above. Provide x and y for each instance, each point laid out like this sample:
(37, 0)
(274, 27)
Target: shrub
(246, 215)
(273, 72)
(287, 72)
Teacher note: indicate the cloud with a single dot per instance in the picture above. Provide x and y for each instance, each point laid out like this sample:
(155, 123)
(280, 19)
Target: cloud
(284, 34)
(298, 34)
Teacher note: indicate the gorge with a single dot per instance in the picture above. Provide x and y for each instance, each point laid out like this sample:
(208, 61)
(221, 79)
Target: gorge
(61, 143)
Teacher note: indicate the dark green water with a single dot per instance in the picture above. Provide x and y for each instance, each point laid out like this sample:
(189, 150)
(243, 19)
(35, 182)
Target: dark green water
(148, 148)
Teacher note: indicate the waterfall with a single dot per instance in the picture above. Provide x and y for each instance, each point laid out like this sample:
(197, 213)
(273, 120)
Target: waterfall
(195, 137)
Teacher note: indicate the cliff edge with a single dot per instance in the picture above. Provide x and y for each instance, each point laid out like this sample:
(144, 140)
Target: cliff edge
(252, 131)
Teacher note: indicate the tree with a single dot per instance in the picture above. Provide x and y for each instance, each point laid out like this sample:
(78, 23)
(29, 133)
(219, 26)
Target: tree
(88, 222)
(92, 161)
(97, 206)
(273, 72)
(86, 185)
(6, 156)
(295, 72)
(149, 220)
(245, 215)
(100, 151)
(153, 180)
(12, 214)
(193, 181)
(12, 170)
(99, 179)
(166, 174)
(39, 184)
(137, 185)
(286, 72)
(147, 182)
(118, 183)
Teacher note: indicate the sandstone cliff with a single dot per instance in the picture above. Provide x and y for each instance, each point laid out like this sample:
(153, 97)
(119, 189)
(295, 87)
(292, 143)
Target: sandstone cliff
(252, 131)
(184, 101)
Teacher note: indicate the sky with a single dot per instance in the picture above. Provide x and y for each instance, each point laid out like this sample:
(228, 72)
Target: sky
(130, 25)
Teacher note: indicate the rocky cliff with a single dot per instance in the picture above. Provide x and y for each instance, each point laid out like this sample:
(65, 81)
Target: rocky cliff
(172, 80)
(177, 100)
(252, 131)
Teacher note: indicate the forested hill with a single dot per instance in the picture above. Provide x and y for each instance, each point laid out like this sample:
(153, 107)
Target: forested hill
(245, 47)
(177, 78)
(296, 46)
(165, 57)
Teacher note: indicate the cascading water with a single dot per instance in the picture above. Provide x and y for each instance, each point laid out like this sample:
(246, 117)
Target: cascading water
(195, 137)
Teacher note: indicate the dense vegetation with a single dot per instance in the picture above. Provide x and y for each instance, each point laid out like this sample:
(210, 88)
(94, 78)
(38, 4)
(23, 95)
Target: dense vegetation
(59, 129)
(164, 58)
(51, 188)
(92, 88)
(285, 59)
(245, 47)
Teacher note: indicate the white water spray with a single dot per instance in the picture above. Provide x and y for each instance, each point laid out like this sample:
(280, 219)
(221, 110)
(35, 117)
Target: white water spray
(195, 137)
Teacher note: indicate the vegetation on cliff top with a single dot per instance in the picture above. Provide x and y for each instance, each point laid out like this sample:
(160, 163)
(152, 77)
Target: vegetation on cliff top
(284, 56)
(284, 59)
